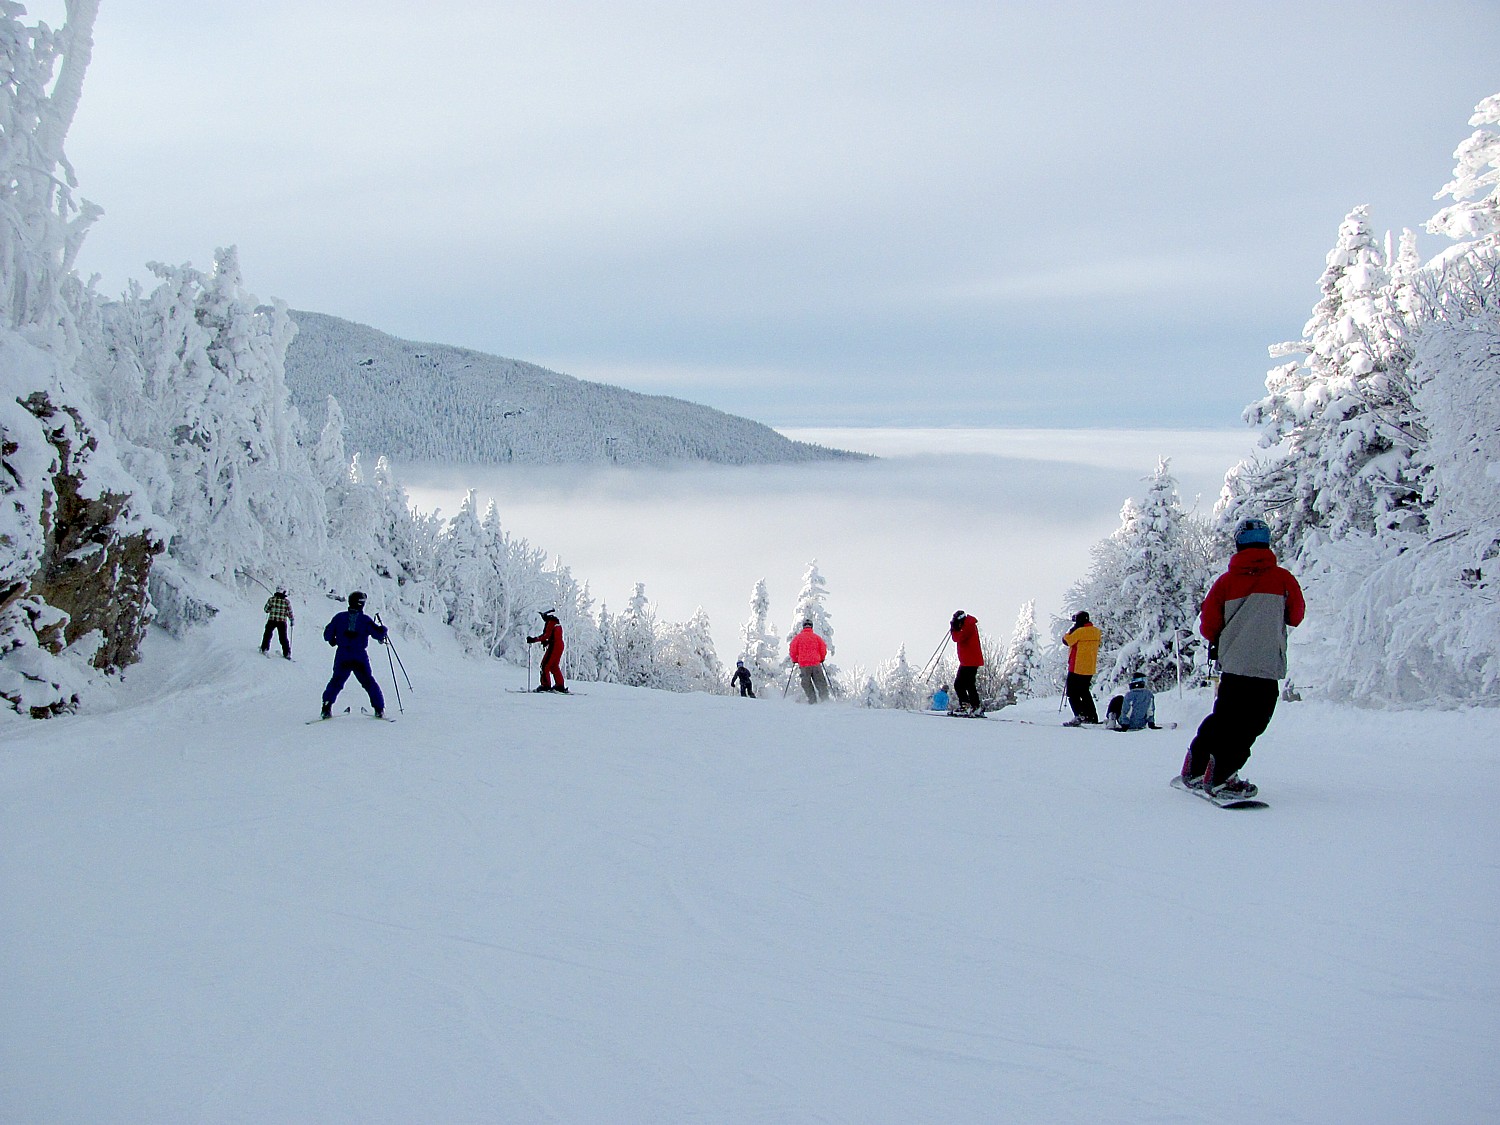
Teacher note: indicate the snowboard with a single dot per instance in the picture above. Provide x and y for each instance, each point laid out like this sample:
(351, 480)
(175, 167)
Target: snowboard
(1221, 802)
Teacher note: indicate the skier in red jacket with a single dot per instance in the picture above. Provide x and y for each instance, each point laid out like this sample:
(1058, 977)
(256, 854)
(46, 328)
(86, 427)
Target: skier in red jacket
(1245, 619)
(965, 632)
(551, 638)
(808, 651)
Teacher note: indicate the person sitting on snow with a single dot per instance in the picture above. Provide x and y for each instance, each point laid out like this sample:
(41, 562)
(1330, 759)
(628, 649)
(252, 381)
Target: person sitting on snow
(1136, 709)
(940, 699)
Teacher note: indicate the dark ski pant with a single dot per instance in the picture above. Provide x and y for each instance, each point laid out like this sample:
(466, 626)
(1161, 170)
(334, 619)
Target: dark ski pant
(279, 628)
(360, 667)
(1080, 698)
(552, 668)
(815, 683)
(1242, 711)
(746, 690)
(963, 687)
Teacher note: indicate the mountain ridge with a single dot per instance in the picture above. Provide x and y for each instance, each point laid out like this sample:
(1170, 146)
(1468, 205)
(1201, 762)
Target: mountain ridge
(414, 401)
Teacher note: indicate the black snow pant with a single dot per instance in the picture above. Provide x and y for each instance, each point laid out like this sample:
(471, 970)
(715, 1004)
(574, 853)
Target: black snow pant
(963, 687)
(746, 690)
(1242, 711)
(279, 628)
(1080, 698)
(360, 667)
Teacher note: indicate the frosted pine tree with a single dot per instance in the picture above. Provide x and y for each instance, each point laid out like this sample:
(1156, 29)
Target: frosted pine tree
(607, 662)
(762, 651)
(810, 606)
(637, 648)
(1021, 669)
(1475, 187)
(898, 683)
(1161, 585)
(687, 659)
(1339, 422)
(465, 575)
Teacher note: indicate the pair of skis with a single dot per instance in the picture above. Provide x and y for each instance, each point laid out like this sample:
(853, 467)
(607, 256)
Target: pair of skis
(363, 711)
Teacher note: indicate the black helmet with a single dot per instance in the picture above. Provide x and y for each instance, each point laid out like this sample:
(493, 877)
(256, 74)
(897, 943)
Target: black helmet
(1137, 681)
(1081, 617)
(958, 615)
(357, 599)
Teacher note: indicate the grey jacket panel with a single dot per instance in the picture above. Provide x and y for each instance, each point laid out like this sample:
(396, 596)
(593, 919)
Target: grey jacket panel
(1253, 640)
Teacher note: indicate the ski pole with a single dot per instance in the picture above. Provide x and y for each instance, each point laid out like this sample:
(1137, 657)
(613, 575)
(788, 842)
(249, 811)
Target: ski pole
(788, 686)
(528, 667)
(390, 644)
(928, 669)
(394, 682)
(256, 580)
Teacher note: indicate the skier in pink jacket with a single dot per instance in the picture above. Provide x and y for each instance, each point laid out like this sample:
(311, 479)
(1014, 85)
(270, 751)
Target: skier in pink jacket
(808, 651)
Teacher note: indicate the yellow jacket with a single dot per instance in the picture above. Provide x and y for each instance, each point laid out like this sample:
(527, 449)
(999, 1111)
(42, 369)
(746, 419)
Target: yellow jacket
(1083, 649)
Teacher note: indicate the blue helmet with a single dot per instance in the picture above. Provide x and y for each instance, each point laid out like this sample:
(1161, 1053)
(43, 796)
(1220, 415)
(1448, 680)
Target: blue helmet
(1253, 533)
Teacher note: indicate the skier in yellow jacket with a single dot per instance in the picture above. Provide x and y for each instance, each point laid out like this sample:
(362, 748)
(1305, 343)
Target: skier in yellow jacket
(1083, 662)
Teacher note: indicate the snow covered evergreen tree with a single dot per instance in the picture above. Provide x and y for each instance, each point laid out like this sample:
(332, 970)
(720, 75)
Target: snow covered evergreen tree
(1162, 584)
(760, 648)
(1475, 187)
(1338, 423)
(637, 650)
(810, 606)
(1021, 670)
(897, 683)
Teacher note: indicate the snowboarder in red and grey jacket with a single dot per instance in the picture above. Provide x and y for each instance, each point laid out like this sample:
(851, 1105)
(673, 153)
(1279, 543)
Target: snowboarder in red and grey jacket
(1245, 619)
(551, 640)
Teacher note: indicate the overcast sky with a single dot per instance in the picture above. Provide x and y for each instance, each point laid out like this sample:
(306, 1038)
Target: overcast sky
(810, 213)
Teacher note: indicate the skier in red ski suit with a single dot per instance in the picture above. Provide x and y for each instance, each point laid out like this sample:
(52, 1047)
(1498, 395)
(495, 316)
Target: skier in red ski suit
(551, 638)
(965, 632)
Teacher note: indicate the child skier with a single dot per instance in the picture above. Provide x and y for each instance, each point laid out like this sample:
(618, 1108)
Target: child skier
(278, 618)
(349, 633)
(741, 679)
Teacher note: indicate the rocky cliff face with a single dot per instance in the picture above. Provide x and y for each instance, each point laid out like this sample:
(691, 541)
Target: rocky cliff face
(76, 555)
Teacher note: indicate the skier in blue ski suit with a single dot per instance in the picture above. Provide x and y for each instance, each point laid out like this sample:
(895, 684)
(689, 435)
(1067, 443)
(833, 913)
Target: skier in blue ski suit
(349, 633)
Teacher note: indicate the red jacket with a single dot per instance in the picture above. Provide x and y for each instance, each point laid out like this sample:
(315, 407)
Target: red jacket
(551, 636)
(1247, 612)
(966, 633)
(807, 648)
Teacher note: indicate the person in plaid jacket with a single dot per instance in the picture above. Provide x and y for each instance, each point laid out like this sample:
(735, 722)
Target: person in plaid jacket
(278, 618)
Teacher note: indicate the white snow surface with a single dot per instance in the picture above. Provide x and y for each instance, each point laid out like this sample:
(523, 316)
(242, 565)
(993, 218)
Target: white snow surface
(634, 906)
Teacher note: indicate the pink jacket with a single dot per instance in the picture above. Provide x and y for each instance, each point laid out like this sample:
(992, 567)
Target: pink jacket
(807, 648)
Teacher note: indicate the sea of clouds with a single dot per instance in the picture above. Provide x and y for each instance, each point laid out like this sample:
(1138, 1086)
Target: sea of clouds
(975, 519)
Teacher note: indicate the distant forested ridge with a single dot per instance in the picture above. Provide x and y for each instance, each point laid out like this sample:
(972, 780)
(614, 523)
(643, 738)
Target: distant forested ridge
(431, 402)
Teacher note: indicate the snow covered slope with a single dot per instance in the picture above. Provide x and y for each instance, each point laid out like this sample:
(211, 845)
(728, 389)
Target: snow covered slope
(630, 906)
(431, 402)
